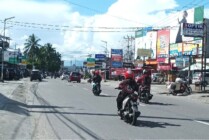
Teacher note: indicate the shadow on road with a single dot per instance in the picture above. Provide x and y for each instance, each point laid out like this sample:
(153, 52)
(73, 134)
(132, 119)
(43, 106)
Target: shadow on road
(157, 103)
(102, 95)
(20, 108)
(10, 105)
(74, 113)
(153, 124)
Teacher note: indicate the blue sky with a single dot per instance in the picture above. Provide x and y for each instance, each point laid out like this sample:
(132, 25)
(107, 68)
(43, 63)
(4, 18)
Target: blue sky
(76, 27)
(90, 7)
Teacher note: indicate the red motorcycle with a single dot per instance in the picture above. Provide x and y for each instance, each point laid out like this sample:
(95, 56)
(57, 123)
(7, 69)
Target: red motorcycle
(144, 94)
(129, 112)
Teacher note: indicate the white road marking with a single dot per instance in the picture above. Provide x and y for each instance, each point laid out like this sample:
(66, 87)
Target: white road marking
(201, 122)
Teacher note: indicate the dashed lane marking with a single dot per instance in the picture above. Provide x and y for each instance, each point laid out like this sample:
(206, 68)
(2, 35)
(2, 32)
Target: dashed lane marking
(202, 122)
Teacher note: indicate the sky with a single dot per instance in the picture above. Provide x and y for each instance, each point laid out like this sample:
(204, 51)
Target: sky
(77, 28)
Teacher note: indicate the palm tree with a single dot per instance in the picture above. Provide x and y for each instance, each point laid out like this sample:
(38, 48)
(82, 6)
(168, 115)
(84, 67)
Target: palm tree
(32, 47)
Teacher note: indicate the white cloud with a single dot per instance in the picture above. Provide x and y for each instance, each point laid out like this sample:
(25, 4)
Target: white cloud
(123, 13)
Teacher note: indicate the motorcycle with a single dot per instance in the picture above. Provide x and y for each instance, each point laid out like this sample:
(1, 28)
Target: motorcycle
(96, 89)
(144, 94)
(177, 87)
(129, 112)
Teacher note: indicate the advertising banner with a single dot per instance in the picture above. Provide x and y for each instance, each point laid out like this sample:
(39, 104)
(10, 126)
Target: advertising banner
(117, 64)
(163, 44)
(174, 50)
(117, 58)
(144, 52)
(147, 40)
(152, 43)
(117, 51)
(192, 30)
(194, 15)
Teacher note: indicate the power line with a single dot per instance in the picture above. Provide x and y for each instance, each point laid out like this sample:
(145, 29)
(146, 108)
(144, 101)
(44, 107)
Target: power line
(171, 18)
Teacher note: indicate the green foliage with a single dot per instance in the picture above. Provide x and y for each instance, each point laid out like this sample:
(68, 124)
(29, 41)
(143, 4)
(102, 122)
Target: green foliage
(42, 57)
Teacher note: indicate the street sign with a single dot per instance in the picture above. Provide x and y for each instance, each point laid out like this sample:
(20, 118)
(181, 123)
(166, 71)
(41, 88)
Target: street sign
(90, 64)
(100, 56)
(90, 60)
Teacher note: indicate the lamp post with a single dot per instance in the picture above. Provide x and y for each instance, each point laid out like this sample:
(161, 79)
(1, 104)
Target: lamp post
(2, 63)
(106, 53)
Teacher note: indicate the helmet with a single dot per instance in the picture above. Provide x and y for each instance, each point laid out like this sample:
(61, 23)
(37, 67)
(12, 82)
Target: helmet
(144, 71)
(129, 75)
(97, 72)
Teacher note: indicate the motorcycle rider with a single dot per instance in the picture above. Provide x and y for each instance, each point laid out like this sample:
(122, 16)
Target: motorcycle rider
(179, 80)
(144, 80)
(128, 86)
(97, 78)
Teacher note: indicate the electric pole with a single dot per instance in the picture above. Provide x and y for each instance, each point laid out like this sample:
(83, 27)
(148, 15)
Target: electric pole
(129, 55)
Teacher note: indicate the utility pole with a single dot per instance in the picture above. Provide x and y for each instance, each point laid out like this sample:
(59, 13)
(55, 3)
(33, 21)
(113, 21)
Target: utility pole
(15, 55)
(130, 48)
(106, 53)
(2, 63)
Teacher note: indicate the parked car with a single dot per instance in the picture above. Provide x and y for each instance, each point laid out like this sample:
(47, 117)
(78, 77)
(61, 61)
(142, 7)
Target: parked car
(156, 77)
(11, 73)
(75, 76)
(197, 77)
(35, 75)
(64, 76)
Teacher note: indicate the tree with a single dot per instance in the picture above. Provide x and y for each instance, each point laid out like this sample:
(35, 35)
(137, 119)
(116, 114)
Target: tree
(32, 48)
(43, 57)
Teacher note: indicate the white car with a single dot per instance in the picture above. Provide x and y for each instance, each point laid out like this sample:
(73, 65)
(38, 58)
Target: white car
(64, 76)
(198, 78)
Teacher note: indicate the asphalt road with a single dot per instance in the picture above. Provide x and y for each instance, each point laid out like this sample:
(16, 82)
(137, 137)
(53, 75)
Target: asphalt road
(56, 109)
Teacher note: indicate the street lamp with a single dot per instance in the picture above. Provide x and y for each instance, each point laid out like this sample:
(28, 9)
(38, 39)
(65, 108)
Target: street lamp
(2, 63)
(106, 51)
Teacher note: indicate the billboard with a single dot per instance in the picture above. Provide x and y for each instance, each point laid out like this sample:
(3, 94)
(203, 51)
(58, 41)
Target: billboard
(12, 56)
(174, 50)
(192, 30)
(163, 39)
(117, 58)
(194, 15)
(146, 40)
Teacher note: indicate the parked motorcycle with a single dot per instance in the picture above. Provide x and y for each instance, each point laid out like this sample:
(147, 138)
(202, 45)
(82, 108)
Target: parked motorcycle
(177, 87)
(96, 89)
(129, 112)
(144, 94)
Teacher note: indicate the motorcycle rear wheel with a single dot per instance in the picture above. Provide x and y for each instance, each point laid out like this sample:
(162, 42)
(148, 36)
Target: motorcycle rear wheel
(188, 90)
(134, 119)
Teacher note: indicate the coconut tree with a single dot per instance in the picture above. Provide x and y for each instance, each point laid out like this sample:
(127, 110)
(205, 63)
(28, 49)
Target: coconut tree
(32, 48)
